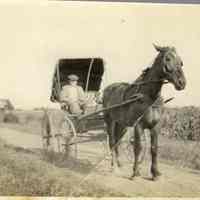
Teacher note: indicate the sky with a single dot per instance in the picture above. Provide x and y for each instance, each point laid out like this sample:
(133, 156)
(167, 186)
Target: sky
(35, 35)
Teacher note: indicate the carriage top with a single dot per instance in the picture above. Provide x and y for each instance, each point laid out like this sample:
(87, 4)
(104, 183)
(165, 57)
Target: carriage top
(89, 70)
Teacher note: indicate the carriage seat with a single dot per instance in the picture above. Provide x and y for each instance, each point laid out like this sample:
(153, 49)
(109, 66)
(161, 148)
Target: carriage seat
(92, 102)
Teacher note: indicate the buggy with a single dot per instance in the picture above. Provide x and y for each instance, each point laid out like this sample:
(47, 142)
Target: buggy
(90, 72)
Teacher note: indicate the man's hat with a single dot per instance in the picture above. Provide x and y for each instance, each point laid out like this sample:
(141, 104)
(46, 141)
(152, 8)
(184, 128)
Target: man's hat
(73, 77)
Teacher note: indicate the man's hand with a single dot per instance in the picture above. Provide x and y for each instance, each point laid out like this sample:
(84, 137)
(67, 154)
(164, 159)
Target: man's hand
(62, 104)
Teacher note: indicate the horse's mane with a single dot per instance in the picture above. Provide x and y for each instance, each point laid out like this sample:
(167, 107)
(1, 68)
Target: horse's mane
(148, 69)
(141, 78)
(143, 74)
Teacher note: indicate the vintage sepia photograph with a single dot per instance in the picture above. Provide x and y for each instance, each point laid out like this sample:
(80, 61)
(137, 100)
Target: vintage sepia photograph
(99, 99)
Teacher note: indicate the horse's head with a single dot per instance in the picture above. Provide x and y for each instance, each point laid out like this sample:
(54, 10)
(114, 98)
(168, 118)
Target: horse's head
(171, 64)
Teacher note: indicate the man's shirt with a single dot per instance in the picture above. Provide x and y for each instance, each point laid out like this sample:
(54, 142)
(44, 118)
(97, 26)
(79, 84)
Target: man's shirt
(72, 94)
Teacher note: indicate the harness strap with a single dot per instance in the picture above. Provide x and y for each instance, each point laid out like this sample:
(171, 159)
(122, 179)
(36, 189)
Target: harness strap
(151, 81)
(133, 98)
(138, 84)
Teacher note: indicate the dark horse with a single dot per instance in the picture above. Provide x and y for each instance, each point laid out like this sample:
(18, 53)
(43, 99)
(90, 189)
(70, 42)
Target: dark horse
(142, 114)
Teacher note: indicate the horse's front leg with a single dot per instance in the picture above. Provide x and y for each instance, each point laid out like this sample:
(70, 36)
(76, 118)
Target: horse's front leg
(154, 153)
(137, 149)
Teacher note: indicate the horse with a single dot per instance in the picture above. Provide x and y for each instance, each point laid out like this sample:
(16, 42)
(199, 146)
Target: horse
(145, 113)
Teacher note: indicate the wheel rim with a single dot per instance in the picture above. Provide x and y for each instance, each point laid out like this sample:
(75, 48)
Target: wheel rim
(67, 135)
(46, 132)
(127, 147)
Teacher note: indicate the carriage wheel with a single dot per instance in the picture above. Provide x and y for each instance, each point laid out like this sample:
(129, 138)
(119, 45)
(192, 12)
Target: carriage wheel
(127, 146)
(46, 133)
(66, 138)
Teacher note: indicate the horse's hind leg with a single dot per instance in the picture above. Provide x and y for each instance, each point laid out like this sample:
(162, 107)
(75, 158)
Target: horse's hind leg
(137, 149)
(154, 149)
(113, 147)
(110, 131)
(114, 132)
(119, 133)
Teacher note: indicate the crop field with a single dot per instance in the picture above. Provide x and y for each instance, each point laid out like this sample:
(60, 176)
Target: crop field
(181, 123)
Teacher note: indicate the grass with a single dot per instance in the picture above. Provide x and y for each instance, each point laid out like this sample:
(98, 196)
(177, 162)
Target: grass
(23, 173)
(183, 153)
(32, 128)
(28, 121)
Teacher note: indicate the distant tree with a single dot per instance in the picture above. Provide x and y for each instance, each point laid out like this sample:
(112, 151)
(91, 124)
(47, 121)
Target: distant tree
(6, 104)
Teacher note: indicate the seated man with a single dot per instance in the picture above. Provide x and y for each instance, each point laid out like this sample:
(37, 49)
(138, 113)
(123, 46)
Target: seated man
(73, 96)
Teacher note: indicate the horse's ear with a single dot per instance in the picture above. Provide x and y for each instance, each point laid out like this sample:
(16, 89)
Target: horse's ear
(158, 48)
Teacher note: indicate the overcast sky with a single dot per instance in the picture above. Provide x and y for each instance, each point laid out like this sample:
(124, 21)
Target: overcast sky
(35, 36)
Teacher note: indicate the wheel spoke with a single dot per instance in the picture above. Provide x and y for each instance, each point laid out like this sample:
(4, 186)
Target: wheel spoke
(127, 147)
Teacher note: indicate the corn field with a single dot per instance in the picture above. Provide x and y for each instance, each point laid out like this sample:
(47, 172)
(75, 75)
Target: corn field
(181, 123)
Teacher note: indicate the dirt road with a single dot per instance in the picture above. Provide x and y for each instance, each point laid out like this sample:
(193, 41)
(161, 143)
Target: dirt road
(175, 182)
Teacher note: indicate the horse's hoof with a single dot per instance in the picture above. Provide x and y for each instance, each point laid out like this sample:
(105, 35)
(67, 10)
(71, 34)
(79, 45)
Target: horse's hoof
(119, 165)
(155, 178)
(137, 174)
(158, 173)
(131, 178)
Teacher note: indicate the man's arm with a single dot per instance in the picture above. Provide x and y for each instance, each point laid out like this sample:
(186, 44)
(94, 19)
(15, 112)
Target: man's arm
(64, 95)
(81, 95)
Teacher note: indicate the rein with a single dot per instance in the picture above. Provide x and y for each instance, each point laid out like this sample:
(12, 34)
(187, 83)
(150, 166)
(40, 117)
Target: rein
(152, 81)
(138, 84)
